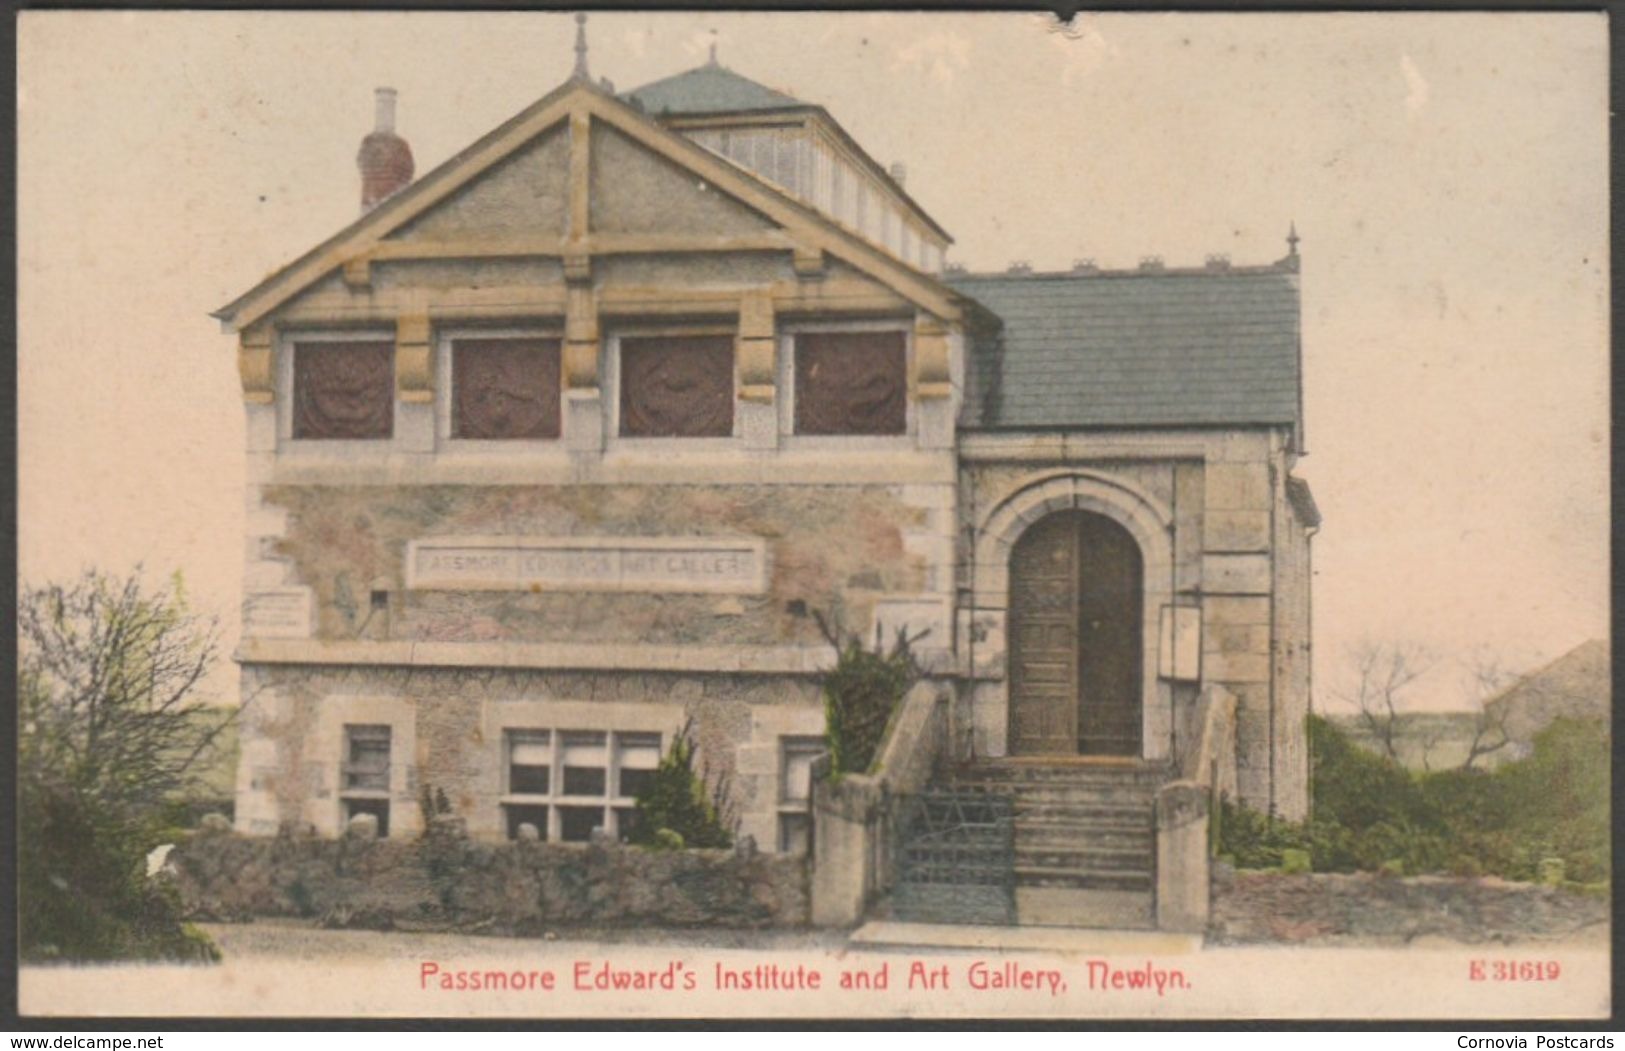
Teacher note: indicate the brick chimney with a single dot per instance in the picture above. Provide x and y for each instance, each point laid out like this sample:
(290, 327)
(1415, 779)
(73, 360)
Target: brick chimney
(385, 159)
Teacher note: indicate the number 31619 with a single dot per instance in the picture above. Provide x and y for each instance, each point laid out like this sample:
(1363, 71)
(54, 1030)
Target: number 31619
(1513, 970)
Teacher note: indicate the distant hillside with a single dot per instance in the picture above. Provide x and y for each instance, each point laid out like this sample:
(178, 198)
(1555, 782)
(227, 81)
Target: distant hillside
(1577, 685)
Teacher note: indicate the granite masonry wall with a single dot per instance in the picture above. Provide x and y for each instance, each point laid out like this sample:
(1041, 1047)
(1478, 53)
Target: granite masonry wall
(446, 881)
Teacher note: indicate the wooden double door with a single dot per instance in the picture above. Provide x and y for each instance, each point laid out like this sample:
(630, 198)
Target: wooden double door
(1075, 621)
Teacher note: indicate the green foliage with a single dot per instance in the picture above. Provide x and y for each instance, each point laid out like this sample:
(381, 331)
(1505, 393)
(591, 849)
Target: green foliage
(110, 735)
(1294, 860)
(432, 803)
(861, 694)
(1372, 815)
(676, 809)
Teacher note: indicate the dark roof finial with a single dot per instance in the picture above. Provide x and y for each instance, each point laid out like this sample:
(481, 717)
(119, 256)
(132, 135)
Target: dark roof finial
(713, 59)
(1292, 240)
(581, 47)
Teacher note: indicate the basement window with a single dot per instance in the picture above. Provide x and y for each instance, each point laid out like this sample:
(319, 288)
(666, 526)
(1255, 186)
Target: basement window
(364, 775)
(796, 756)
(343, 390)
(677, 386)
(598, 778)
(505, 389)
(851, 383)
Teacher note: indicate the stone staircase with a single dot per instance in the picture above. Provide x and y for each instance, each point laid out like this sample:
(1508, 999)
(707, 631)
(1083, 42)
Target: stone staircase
(1085, 839)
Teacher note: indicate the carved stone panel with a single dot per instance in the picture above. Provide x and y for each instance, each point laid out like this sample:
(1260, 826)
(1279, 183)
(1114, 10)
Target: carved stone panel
(851, 383)
(505, 388)
(677, 387)
(650, 564)
(344, 390)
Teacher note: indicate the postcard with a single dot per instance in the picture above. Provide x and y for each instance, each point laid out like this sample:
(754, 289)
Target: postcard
(874, 515)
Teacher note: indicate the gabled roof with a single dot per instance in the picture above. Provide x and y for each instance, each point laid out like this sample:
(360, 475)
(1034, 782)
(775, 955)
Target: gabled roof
(687, 99)
(581, 97)
(709, 89)
(1138, 348)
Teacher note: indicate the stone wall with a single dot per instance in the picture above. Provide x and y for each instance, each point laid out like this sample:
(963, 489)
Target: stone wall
(1326, 908)
(448, 724)
(828, 547)
(444, 880)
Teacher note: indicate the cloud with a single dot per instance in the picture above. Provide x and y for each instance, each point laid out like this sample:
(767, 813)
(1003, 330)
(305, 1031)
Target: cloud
(940, 56)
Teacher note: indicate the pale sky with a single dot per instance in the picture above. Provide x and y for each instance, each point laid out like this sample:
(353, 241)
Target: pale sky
(1447, 174)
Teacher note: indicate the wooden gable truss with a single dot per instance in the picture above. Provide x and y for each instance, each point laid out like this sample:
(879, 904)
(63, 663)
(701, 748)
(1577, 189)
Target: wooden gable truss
(342, 268)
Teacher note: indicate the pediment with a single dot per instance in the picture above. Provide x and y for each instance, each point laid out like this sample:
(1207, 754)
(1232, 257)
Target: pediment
(530, 189)
(637, 191)
(526, 194)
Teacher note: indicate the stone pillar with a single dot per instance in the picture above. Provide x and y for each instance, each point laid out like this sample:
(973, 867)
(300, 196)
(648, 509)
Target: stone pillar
(933, 384)
(755, 347)
(583, 396)
(1236, 589)
(414, 383)
(1182, 858)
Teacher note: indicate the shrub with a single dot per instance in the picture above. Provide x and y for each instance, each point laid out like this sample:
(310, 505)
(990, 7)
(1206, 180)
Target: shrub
(110, 733)
(677, 803)
(1255, 840)
(1372, 815)
(861, 694)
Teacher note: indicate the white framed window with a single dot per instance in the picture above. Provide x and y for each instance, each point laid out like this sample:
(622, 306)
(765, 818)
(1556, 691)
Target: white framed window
(796, 756)
(568, 782)
(846, 384)
(364, 773)
(499, 388)
(672, 384)
(336, 389)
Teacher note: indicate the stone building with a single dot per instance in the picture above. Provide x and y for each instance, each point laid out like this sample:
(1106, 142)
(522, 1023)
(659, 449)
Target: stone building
(560, 447)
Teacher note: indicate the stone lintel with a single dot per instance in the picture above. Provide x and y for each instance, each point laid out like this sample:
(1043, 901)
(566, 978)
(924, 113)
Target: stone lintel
(708, 660)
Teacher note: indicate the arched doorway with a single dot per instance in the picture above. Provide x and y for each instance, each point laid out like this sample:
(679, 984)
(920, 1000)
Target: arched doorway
(1076, 598)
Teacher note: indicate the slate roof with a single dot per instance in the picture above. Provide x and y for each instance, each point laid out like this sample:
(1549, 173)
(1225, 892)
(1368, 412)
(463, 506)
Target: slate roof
(1139, 348)
(709, 89)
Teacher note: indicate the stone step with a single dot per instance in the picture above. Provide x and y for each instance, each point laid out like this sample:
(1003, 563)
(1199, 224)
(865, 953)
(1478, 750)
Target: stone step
(1084, 859)
(1027, 800)
(1071, 835)
(1081, 879)
(1028, 773)
(1086, 814)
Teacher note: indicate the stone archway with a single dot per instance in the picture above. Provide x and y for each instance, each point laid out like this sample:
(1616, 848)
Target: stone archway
(1076, 591)
(1142, 518)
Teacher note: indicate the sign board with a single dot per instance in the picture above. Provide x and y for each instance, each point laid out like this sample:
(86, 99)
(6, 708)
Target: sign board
(514, 563)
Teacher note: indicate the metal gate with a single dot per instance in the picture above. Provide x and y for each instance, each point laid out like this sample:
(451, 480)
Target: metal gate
(955, 856)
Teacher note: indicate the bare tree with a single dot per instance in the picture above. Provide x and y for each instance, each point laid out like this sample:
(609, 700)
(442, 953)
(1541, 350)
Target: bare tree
(109, 676)
(1486, 680)
(1383, 673)
(111, 725)
(1429, 736)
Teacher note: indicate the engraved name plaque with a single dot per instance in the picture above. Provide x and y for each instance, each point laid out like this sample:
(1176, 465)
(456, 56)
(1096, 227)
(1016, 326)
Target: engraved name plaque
(672, 564)
(278, 613)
